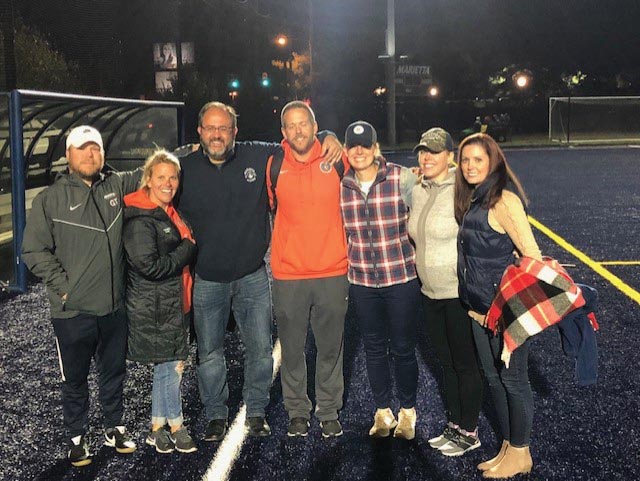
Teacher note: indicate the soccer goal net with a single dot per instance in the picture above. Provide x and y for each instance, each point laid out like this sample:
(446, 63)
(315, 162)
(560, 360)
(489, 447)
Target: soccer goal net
(594, 119)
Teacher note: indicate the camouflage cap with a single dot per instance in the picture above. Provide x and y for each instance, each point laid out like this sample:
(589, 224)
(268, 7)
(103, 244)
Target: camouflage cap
(435, 140)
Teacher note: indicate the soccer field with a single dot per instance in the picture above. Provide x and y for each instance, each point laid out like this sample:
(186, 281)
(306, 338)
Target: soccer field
(586, 199)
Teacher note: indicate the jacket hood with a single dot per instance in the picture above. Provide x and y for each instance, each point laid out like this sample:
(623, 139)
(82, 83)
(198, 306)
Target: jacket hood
(138, 203)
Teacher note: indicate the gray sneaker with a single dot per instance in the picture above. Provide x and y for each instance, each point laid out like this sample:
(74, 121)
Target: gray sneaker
(298, 427)
(460, 445)
(331, 429)
(183, 442)
(447, 435)
(161, 440)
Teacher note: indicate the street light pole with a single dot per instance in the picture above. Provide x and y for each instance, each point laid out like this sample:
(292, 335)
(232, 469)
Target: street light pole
(390, 72)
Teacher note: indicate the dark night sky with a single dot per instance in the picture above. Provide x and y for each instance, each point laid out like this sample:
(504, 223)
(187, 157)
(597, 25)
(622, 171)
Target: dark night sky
(464, 41)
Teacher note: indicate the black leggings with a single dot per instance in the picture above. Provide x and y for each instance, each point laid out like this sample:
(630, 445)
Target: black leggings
(449, 328)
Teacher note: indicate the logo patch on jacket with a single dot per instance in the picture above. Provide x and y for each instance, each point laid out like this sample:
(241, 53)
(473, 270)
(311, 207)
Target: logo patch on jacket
(250, 174)
(325, 167)
(167, 230)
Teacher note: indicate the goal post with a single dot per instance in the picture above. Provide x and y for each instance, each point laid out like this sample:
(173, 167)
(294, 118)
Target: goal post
(594, 119)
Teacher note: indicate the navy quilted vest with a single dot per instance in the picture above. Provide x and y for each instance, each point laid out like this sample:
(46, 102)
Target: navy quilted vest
(483, 255)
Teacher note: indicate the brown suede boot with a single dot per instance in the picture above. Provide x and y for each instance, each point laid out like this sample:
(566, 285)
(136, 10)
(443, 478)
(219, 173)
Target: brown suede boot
(406, 428)
(383, 422)
(515, 461)
(495, 460)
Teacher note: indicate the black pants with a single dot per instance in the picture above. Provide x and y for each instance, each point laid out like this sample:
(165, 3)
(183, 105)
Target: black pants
(510, 388)
(79, 339)
(449, 328)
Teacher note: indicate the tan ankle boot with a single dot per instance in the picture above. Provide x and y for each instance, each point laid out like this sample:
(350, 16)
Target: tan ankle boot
(406, 428)
(515, 461)
(496, 459)
(383, 422)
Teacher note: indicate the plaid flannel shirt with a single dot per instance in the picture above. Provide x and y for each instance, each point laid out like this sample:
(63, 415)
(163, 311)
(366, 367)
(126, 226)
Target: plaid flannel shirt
(532, 296)
(379, 251)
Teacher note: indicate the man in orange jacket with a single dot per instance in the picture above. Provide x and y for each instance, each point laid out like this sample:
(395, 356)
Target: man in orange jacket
(309, 265)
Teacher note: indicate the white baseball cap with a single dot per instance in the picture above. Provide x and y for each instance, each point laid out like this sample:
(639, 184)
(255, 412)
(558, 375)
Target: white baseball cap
(82, 134)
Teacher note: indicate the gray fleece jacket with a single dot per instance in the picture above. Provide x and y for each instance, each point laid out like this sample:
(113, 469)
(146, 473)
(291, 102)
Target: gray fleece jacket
(433, 228)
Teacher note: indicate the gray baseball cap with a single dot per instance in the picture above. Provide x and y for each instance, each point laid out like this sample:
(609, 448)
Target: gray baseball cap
(435, 140)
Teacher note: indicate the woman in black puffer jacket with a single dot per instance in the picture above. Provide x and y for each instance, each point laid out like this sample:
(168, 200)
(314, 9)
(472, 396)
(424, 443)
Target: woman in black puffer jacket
(159, 247)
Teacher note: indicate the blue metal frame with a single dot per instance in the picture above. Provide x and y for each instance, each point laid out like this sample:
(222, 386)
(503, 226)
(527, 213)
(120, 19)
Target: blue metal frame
(18, 178)
(18, 165)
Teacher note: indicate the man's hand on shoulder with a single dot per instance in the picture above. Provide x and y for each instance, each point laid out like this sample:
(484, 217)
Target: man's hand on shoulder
(332, 149)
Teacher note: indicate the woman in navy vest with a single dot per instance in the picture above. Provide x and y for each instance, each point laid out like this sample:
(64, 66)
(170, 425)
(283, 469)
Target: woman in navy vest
(490, 208)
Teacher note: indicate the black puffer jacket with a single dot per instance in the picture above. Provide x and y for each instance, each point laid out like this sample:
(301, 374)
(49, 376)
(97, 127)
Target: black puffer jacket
(156, 256)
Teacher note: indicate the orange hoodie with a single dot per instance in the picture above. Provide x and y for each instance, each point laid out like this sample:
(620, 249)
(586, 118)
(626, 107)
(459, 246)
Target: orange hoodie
(308, 236)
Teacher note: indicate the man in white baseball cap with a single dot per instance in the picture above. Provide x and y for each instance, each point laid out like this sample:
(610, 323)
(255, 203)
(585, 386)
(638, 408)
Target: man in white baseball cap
(73, 241)
(85, 153)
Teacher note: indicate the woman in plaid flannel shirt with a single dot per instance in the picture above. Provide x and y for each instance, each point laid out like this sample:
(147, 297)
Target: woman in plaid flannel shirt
(384, 289)
(489, 206)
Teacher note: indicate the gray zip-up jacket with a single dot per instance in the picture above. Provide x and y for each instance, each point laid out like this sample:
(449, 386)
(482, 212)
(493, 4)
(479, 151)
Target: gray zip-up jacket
(73, 242)
(433, 228)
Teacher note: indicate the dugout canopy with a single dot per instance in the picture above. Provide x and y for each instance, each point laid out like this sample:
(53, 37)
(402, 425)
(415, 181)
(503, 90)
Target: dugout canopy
(33, 130)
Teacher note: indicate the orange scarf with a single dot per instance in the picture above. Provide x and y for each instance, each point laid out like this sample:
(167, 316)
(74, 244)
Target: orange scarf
(187, 279)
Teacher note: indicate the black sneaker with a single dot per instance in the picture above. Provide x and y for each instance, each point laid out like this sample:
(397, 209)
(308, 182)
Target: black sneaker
(182, 441)
(119, 438)
(257, 427)
(298, 427)
(461, 444)
(447, 435)
(216, 429)
(331, 429)
(160, 439)
(79, 454)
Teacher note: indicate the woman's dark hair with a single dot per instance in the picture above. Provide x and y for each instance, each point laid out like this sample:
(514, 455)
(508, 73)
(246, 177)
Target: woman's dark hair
(499, 174)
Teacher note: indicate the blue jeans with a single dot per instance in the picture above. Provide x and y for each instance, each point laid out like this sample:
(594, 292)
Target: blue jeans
(510, 389)
(388, 318)
(250, 299)
(166, 403)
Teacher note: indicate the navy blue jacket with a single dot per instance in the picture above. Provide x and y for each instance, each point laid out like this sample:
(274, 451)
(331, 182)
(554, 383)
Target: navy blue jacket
(579, 339)
(228, 210)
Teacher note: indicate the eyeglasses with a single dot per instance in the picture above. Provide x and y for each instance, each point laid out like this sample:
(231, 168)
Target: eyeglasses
(210, 129)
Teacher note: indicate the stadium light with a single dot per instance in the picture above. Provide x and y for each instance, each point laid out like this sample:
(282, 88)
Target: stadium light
(522, 79)
(282, 40)
(434, 91)
(379, 91)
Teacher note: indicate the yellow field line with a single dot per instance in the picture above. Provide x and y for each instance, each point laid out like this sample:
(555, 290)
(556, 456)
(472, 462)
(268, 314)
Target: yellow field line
(596, 266)
(619, 263)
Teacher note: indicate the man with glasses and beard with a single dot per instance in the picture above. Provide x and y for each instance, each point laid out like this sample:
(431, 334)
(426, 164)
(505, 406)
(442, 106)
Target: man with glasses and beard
(224, 198)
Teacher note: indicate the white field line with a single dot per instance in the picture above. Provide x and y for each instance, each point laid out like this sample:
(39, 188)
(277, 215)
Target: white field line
(230, 448)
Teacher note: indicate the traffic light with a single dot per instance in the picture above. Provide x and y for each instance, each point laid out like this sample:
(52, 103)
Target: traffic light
(266, 81)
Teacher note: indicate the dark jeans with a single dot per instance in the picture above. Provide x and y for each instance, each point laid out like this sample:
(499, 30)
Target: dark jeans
(449, 328)
(510, 388)
(78, 340)
(388, 321)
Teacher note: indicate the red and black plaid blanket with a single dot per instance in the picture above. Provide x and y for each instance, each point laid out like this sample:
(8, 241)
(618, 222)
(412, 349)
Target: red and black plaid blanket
(532, 296)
